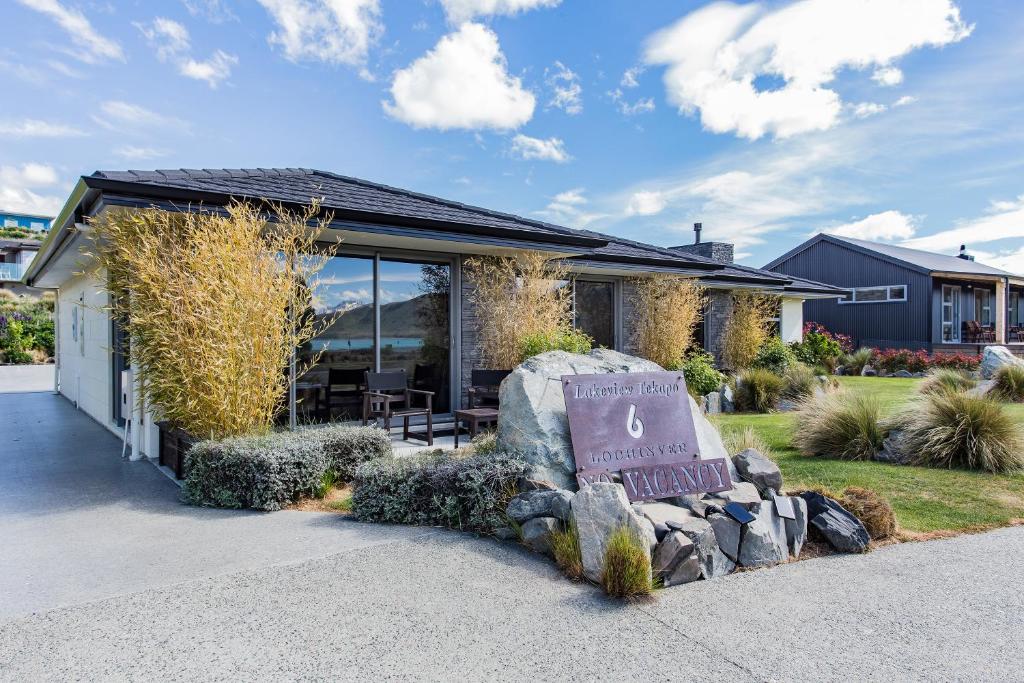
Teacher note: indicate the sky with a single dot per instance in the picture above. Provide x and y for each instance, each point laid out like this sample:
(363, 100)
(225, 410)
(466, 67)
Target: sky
(766, 121)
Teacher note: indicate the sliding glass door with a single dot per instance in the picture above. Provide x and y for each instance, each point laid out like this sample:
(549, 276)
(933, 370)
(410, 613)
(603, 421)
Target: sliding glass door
(950, 314)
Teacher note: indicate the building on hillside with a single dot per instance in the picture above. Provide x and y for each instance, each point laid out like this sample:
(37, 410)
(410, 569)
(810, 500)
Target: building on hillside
(908, 298)
(15, 257)
(396, 247)
(13, 220)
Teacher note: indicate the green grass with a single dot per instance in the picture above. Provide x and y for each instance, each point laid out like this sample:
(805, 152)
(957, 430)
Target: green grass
(924, 499)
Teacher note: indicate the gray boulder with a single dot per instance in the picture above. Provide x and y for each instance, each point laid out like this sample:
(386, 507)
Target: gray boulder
(868, 371)
(742, 492)
(675, 560)
(727, 534)
(597, 511)
(663, 513)
(710, 558)
(764, 541)
(758, 470)
(727, 401)
(983, 388)
(796, 529)
(536, 533)
(713, 403)
(893, 451)
(905, 374)
(836, 524)
(561, 505)
(530, 504)
(533, 423)
(995, 357)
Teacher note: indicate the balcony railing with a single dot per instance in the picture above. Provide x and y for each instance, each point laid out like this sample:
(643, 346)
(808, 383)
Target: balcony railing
(12, 271)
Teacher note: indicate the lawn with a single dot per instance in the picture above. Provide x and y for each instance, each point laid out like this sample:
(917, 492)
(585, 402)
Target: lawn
(925, 500)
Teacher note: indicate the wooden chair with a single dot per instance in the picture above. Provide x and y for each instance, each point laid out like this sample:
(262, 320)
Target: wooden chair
(483, 392)
(971, 332)
(345, 387)
(388, 395)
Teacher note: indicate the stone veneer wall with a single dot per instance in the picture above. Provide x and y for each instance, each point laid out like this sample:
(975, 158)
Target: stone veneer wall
(716, 251)
(471, 356)
(716, 317)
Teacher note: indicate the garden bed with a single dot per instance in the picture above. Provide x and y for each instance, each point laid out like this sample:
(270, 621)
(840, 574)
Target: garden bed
(927, 501)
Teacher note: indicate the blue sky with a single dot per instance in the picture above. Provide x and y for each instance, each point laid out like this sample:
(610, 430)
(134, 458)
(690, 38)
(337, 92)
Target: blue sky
(768, 122)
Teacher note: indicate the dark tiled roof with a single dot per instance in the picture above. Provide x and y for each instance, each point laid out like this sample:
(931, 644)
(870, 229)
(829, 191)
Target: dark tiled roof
(344, 195)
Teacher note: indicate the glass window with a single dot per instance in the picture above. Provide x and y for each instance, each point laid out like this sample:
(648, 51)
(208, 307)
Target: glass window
(10, 223)
(897, 293)
(1016, 313)
(983, 306)
(879, 294)
(594, 310)
(38, 225)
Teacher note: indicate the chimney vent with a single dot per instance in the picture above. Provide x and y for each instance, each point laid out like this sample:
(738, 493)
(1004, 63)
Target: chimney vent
(696, 233)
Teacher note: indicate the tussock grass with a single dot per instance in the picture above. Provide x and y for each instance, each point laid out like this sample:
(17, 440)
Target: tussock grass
(565, 546)
(747, 329)
(945, 380)
(516, 298)
(1009, 384)
(215, 306)
(758, 390)
(627, 565)
(841, 425)
(666, 310)
(737, 440)
(956, 430)
(800, 381)
(855, 362)
(872, 510)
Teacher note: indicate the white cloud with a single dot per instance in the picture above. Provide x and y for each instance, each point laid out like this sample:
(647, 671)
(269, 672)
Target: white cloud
(118, 115)
(214, 11)
(862, 110)
(94, 47)
(135, 153)
(885, 226)
(641, 106)
(567, 93)
(887, 75)
(904, 101)
(1003, 220)
(214, 70)
(332, 31)
(35, 128)
(1012, 261)
(646, 203)
(714, 54)
(530, 149)
(459, 11)
(167, 37)
(19, 185)
(631, 78)
(462, 83)
(570, 207)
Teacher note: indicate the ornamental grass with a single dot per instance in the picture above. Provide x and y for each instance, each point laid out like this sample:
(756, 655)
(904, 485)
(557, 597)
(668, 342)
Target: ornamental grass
(666, 311)
(748, 328)
(758, 390)
(945, 380)
(1009, 383)
(565, 547)
(215, 305)
(839, 424)
(958, 430)
(627, 565)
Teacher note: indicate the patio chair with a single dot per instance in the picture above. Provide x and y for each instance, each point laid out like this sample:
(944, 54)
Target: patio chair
(388, 395)
(345, 387)
(971, 332)
(483, 392)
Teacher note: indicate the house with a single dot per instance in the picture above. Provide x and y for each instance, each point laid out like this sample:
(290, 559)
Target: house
(398, 248)
(15, 255)
(908, 298)
(25, 222)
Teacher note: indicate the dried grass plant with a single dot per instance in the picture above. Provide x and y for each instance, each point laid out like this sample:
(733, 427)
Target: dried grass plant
(667, 309)
(516, 297)
(215, 306)
(747, 329)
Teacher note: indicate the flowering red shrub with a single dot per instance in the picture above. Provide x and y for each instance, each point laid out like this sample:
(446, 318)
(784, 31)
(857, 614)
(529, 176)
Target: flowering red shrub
(893, 360)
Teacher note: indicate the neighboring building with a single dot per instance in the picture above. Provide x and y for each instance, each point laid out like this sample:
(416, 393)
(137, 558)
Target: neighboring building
(907, 298)
(25, 221)
(397, 246)
(15, 256)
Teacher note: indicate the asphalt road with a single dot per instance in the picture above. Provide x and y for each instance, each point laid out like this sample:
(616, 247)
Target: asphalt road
(443, 606)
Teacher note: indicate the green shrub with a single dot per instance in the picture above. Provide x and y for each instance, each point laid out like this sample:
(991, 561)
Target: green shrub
(1009, 384)
(347, 447)
(800, 381)
(943, 380)
(262, 472)
(839, 425)
(758, 390)
(571, 340)
(449, 489)
(565, 546)
(854, 362)
(774, 355)
(960, 430)
(15, 340)
(627, 565)
(700, 373)
(819, 347)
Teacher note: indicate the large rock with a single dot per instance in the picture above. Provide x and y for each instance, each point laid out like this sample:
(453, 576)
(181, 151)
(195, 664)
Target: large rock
(728, 401)
(597, 511)
(758, 470)
(713, 403)
(742, 492)
(995, 357)
(796, 529)
(533, 424)
(893, 450)
(764, 540)
(675, 560)
(727, 534)
(536, 533)
(710, 558)
(663, 513)
(531, 504)
(836, 524)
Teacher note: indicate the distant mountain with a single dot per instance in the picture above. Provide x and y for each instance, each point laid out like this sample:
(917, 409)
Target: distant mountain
(398, 319)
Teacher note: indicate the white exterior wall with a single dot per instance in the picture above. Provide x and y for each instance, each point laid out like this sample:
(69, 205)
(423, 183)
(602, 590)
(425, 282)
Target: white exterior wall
(84, 363)
(791, 320)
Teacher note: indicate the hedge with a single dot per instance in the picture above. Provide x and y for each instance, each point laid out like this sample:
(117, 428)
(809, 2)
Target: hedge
(269, 471)
(448, 489)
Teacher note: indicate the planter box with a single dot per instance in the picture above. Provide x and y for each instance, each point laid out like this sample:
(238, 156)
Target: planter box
(174, 445)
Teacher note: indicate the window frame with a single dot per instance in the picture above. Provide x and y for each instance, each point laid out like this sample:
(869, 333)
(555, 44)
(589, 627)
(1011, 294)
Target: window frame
(889, 298)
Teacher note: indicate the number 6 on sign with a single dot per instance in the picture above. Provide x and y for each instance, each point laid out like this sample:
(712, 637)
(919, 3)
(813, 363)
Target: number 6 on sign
(634, 425)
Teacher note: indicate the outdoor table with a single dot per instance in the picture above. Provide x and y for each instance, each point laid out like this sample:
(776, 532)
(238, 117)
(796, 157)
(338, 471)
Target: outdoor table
(474, 417)
(314, 388)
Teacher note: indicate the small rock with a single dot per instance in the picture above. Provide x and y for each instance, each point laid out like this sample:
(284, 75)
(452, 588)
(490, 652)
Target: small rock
(597, 511)
(505, 533)
(561, 505)
(693, 502)
(758, 470)
(764, 540)
(892, 449)
(841, 529)
(710, 558)
(840, 370)
(675, 560)
(527, 484)
(796, 529)
(905, 374)
(727, 534)
(868, 371)
(530, 504)
(713, 403)
(663, 513)
(537, 532)
(727, 401)
(742, 492)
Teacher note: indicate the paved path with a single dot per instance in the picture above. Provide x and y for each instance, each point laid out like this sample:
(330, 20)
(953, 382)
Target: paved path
(103, 576)
(22, 378)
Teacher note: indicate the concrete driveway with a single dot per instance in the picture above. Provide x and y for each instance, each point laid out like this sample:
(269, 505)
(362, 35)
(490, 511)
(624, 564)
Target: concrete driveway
(78, 523)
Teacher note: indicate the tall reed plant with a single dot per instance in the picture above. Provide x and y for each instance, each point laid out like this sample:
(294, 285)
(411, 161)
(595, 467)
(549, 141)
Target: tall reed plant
(748, 328)
(666, 310)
